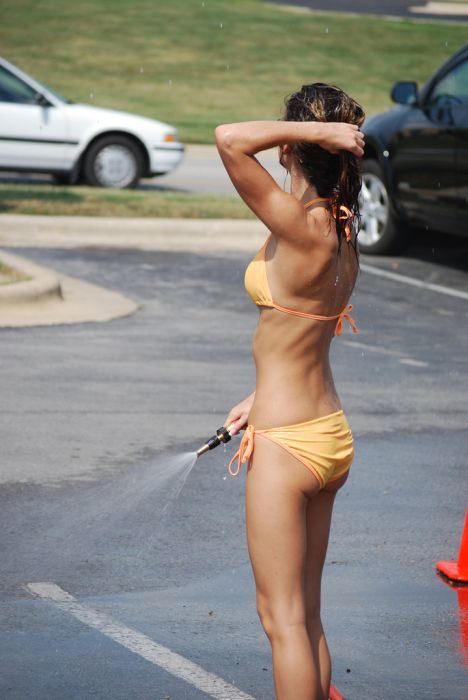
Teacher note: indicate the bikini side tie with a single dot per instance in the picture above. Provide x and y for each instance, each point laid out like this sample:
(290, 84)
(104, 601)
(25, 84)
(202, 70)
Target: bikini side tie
(345, 314)
(244, 452)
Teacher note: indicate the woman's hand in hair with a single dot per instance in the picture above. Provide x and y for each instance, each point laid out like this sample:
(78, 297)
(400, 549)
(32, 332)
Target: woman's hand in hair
(340, 136)
(238, 415)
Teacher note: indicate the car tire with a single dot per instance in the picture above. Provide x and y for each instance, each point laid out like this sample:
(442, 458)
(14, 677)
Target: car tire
(113, 161)
(381, 232)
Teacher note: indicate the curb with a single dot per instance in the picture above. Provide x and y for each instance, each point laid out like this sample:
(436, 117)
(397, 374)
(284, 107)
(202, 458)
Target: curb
(51, 298)
(42, 286)
(189, 235)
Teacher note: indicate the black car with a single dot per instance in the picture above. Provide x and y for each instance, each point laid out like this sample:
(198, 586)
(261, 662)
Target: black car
(415, 168)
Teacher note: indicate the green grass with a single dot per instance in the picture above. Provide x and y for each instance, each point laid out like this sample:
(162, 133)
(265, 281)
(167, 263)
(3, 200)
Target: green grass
(51, 200)
(196, 64)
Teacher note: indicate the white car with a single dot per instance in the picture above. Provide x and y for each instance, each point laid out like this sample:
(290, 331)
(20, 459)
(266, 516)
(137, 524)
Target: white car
(43, 132)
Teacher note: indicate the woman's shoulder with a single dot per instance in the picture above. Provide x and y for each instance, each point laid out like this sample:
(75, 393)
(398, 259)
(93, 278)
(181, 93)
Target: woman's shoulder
(307, 257)
(316, 236)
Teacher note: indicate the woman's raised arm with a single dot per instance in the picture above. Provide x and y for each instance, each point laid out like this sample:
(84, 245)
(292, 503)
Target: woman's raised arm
(238, 143)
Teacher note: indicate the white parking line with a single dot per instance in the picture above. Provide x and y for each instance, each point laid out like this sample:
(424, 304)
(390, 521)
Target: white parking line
(440, 288)
(413, 363)
(385, 351)
(138, 643)
(372, 348)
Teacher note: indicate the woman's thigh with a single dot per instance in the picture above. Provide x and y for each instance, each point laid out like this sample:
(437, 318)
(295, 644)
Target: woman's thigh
(318, 522)
(277, 491)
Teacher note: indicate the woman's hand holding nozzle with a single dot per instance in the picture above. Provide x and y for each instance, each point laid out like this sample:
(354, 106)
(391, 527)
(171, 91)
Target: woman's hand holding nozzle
(238, 417)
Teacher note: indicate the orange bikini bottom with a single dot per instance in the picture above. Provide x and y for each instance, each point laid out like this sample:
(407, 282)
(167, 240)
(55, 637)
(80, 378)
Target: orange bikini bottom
(324, 445)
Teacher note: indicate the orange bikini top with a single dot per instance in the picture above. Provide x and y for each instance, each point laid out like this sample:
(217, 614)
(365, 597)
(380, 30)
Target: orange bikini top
(258, 288)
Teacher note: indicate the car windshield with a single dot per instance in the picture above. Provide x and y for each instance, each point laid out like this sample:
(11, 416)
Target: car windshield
(454, 84)
(14, 89)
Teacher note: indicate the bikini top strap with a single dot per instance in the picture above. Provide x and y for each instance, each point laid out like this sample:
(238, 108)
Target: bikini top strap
(345, 214)
(345, 315)
(316, 199)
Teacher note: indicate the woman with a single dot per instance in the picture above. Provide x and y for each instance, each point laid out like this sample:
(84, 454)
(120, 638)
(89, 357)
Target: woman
(301, 281)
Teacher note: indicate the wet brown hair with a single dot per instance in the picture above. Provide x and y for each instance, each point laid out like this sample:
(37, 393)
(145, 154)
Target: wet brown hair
(336, 176)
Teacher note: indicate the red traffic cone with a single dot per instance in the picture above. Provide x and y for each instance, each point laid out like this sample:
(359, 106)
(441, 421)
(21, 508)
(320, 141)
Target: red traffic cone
(335, 694)
(457, 570)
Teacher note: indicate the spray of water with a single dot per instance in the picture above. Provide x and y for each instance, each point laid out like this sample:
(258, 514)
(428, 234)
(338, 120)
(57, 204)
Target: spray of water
(134, 502)
(109, 526)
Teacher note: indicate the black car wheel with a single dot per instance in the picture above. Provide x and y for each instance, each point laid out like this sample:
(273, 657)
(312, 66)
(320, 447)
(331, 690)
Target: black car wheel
(113, 161)
(380, 233)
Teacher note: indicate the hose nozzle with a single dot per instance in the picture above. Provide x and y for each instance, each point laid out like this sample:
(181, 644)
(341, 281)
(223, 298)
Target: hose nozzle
(222, 435)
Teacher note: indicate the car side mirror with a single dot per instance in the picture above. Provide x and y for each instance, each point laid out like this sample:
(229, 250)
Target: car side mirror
(405, 92)
(41, 100)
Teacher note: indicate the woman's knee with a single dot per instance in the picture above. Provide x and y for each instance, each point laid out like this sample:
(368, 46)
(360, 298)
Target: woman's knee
(280, 619)
(264, 613)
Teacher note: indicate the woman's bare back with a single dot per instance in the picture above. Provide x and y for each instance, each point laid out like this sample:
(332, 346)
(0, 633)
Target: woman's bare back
(294, 379)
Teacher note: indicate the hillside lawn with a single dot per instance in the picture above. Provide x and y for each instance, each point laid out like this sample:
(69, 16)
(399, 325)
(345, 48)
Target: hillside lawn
(198, 63)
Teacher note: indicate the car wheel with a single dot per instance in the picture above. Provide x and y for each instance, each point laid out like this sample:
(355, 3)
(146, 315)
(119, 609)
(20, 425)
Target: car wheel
(113, 161)
(381, 233)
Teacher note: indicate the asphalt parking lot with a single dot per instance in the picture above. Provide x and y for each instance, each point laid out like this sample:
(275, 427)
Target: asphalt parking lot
(88, 409)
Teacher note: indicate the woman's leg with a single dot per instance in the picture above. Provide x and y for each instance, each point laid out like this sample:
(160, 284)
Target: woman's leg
(318, 519)
(277, 491)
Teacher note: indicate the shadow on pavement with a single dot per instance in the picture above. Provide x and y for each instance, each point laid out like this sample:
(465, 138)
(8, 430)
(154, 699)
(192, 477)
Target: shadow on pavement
(439, 249)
